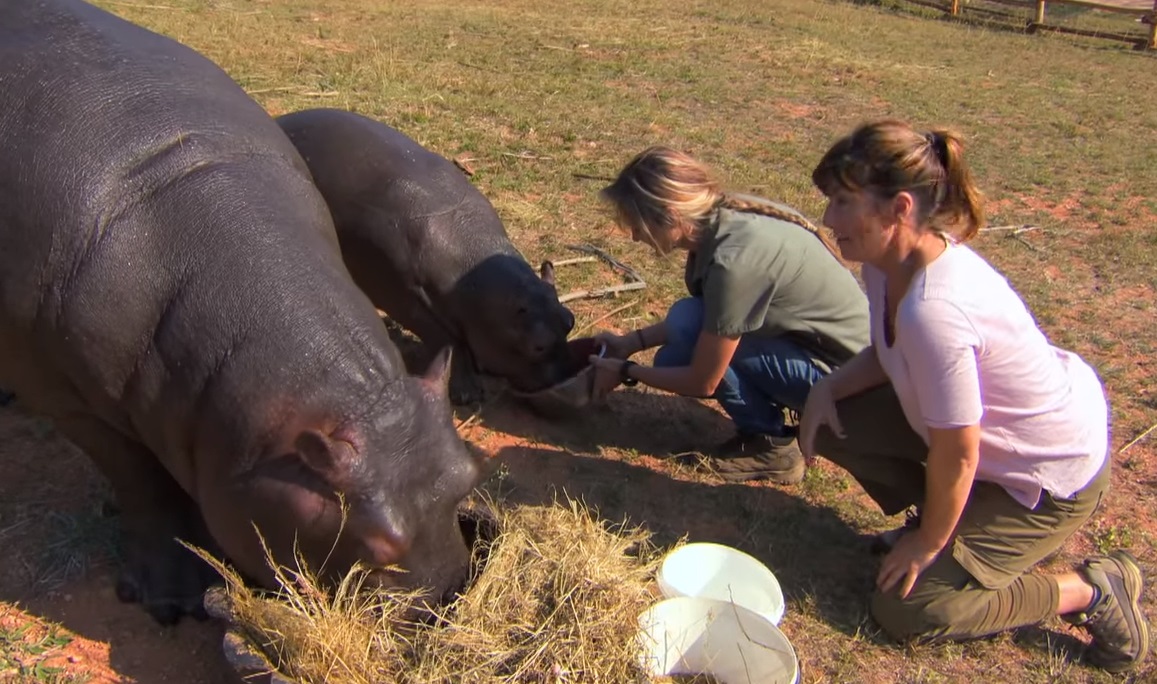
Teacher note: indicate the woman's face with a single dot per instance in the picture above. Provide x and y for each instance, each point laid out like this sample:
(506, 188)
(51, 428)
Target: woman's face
(663, 240)
(858, 222)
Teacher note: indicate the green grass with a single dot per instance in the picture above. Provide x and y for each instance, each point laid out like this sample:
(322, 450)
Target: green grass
(25, 650)
(1060, 131)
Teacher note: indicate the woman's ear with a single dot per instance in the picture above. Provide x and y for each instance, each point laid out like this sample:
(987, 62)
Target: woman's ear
(902, 208)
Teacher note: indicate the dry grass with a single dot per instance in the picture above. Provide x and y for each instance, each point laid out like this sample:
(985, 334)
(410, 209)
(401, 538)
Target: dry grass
(558, 599)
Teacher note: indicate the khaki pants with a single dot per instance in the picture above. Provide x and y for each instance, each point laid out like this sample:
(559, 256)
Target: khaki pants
(980, 586)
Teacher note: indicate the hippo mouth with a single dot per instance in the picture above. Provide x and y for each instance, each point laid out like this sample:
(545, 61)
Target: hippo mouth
(479, 527)
(576, 391)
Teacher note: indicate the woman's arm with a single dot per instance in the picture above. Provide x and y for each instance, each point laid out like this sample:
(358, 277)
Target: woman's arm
(953, 455)
(638, 340)
(862, 372)
(709, 362)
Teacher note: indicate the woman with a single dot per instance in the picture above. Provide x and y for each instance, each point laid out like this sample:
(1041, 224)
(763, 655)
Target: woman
(771, 308)
(961, 409)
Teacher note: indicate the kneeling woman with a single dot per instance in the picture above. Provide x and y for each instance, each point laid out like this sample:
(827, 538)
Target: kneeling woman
(962, 411)
(771, 308)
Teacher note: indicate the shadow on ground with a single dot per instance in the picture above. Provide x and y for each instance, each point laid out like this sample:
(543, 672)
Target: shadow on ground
(648, 422)
(815, 555)
(59, 563)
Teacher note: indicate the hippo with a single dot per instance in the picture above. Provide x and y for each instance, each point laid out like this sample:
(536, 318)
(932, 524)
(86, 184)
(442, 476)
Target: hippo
(172, 296)
(430, 251)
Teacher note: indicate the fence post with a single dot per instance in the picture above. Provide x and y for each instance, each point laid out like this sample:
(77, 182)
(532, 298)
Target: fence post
(956, 7)
(1040, 11)
(1153, 27)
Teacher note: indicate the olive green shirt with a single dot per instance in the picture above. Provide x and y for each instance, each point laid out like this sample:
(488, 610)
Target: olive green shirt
(763, 276)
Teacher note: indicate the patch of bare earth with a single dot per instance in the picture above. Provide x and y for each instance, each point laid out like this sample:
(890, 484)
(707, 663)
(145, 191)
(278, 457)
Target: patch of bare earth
(54, 578)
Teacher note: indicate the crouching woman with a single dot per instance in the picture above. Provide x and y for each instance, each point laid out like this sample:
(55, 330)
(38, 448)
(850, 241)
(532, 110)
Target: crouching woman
(961, 412)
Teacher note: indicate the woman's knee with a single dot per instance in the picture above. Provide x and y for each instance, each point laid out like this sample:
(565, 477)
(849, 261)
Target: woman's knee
(683, 323)
(685, 319)
(922, 618)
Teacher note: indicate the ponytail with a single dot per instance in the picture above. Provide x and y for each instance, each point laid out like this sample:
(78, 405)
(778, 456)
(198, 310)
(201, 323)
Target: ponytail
(960, 209)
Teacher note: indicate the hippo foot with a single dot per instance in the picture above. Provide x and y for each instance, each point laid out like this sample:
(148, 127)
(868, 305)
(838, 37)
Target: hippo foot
(166, 579)
(465, 389)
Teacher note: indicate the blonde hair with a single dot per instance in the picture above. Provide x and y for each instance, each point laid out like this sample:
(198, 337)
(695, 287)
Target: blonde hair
(888, 157)
(663, 189)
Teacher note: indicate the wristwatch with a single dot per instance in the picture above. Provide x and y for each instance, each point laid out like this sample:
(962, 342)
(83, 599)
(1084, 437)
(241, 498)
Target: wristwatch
(626, 379)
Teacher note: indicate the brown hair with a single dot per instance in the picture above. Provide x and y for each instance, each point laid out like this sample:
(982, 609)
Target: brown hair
(665, 189)
(888, 157)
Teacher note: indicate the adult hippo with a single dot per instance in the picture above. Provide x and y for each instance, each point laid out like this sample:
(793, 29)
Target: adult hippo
(430, 251)
(173, 297)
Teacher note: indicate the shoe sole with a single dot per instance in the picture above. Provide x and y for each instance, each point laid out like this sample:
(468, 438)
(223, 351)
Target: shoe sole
(793, 475)
(1133, 579)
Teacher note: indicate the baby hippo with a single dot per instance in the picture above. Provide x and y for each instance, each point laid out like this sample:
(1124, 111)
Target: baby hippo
(428, 249)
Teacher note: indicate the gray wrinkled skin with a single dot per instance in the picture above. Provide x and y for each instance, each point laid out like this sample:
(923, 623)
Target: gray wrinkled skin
(430, 251)
(173, 297)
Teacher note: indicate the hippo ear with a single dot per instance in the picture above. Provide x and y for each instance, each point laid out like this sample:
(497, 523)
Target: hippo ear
(547, 272)
(437, 375)
(333, 459)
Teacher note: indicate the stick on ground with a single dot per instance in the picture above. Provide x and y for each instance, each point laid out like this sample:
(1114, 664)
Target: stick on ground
(1138, 438)
(600, 319)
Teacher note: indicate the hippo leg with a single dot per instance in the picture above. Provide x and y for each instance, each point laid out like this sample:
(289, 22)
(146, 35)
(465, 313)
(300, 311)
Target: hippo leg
(166, 578)
(465, 387)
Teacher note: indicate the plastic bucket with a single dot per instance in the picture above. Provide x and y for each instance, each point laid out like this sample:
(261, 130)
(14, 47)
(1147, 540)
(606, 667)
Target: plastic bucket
(720, 572)
(697, 636)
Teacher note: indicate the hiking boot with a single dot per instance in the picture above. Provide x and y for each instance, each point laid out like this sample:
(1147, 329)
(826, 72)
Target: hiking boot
(1120, 634)
(883, 543)
(753, 457)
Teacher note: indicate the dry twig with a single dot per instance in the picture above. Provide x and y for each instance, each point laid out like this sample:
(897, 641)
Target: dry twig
(525, 155)
(1023, 228)
(576, 260)
(637, 282)
(597, 292)
(600, 319)
(463, 163)
(587, 176)
(1138, 438)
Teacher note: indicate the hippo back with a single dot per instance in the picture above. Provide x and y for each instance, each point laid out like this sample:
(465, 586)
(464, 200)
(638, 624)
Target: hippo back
(126, 155)
(426, 245)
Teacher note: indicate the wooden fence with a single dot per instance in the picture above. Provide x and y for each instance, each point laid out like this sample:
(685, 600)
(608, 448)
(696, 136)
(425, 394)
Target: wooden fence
(1147, 15)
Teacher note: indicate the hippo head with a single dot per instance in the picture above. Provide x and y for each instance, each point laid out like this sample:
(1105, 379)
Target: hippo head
(514, 324)
(398, 470)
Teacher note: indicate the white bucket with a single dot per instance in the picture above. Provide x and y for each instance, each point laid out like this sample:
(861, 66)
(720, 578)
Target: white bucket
(690, 636)
(720, 572)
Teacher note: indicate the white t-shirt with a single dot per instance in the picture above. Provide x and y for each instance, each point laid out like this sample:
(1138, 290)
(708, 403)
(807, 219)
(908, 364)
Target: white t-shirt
(968, 351)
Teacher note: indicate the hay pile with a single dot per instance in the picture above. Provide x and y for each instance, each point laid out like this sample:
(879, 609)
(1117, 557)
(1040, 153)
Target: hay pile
(558, 600)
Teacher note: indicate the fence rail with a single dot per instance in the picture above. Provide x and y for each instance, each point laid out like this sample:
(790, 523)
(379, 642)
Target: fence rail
(1147, 15)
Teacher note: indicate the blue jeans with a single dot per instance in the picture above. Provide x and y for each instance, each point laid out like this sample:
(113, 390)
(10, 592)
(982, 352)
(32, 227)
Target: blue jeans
(766, 374)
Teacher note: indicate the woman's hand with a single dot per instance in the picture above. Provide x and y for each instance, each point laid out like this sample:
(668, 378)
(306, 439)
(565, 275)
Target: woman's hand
(902, 566)
(618, 346)
(819, 410)
(607, 374)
